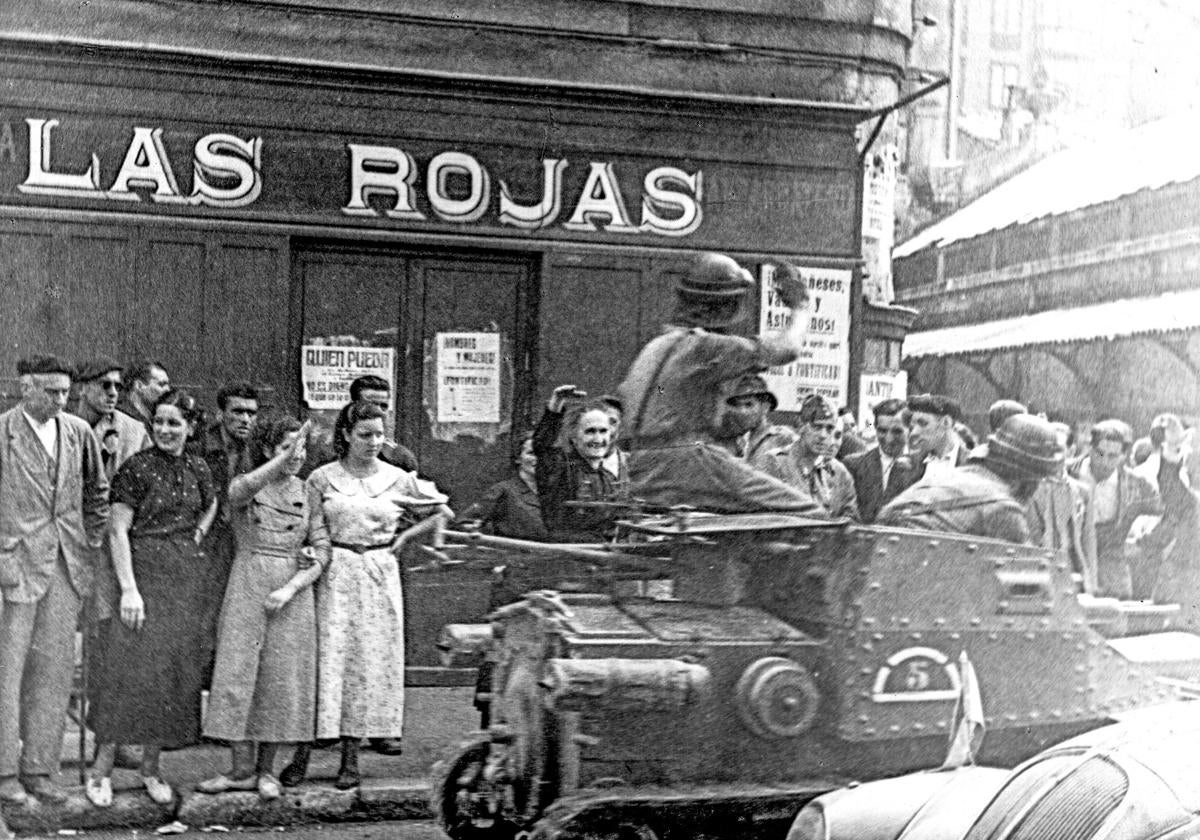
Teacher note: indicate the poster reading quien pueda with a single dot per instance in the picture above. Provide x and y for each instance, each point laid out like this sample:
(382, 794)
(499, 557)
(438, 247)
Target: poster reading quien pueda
(823, 366)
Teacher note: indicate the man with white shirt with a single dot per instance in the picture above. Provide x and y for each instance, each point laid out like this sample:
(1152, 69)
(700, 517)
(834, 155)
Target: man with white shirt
(1119, 496)
(883, 472)
(53, 516)
(936, 447)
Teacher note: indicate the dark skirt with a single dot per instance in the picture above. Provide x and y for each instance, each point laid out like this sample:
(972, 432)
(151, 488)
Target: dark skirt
(149, 690)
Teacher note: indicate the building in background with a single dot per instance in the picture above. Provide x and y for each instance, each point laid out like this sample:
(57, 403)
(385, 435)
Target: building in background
(1073, 287)
(1029, 77)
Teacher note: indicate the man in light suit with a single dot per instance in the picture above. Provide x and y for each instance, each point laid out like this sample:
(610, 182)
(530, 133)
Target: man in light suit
(883, 472)
(53, 515)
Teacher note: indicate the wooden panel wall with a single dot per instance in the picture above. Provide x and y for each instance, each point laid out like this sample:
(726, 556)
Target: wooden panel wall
(211, 305)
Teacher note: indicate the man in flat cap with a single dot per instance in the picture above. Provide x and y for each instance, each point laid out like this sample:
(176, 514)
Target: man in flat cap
(935, 444)
(53, 515)
(673, 395)
(809, 463)
(119, 434)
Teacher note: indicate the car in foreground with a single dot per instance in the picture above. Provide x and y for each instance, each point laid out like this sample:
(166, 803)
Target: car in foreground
(1135, 779)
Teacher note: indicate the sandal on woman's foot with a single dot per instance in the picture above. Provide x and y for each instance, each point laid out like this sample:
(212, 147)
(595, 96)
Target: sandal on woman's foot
(159, 790)
(347, 779)
(99, 791)
(223, 784)
(269, 787)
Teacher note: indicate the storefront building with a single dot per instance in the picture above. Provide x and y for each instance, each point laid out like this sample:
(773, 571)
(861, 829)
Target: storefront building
(476, 204)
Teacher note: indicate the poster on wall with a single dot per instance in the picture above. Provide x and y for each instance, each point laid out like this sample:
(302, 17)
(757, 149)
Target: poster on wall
(328, 371)
(823, 366)
(468, 377)
(874, 388)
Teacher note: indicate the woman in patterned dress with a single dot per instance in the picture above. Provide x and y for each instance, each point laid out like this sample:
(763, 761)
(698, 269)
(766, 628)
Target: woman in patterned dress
(163, 503)
(265, 680)
(368, 510)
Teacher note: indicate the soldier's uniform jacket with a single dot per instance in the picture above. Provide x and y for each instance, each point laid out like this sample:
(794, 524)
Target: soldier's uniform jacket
(969, 500)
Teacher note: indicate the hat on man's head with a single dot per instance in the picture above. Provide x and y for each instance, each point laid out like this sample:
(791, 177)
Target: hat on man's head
(43, 363)
(753, 385)
(816, 409)
(938, 404)
(1026, 446)
(714, 277)
(96, 367)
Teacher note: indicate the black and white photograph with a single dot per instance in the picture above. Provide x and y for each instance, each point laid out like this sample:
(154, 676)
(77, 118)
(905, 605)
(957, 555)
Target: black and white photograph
(600, 419)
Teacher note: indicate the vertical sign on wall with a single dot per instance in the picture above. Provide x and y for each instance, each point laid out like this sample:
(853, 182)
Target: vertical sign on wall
(823, 366)
(468, 377)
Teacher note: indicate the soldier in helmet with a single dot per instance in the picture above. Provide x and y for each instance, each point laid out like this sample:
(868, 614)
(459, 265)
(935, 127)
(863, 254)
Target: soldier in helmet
(985, 497)
(673, 395)
(747, 419)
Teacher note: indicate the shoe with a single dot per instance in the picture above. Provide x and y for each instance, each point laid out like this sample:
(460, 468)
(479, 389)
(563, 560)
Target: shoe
(99, 791)
(44, 789)
(269, 787)
(347, 779)
(12, 792)
(297, 769)
(224, 784)
(387, 746)
(159, 790)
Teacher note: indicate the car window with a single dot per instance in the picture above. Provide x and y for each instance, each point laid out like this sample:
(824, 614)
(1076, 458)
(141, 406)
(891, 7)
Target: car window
(1011, 802)
(1076, 807)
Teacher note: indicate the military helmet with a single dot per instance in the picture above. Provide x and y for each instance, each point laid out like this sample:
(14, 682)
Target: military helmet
(713, 278)
(753, 385)
(1026, 445)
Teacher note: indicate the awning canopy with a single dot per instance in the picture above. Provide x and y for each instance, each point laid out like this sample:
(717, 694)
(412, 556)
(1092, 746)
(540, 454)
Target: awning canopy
(1131, 316)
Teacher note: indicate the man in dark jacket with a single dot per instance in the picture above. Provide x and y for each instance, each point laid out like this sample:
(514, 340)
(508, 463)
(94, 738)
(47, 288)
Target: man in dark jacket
(884, 471)
(985, 497)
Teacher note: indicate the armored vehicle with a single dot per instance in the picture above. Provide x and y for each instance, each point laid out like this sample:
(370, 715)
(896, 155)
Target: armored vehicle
(792, 656)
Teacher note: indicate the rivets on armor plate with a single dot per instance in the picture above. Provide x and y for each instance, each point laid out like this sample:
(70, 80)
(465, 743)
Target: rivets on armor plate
(998, 562)
(875, 585)
(934, 543)
(972, 548)
(866, 672)
(868, 647)
(895, 727)
(938, 622)
(1055, 713)
(956, 636)
(993, 637)
(904, 622)
(941, 724)
(975, 622)
(1002, 605)
(1079, 669)
(918, 727)
(868, 621)
(864, 718)
(878, 637)
(1011, 552)
(893, 539)
(1031, 636)
(915, 636)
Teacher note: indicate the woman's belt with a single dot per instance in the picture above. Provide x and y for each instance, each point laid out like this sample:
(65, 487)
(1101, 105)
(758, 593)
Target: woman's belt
(360, 548)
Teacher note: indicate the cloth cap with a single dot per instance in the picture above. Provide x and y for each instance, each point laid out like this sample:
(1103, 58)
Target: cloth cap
(1026, 445)
(97, 367)
(753, 385)
(937, 404)
(45, 363)
(816, 408)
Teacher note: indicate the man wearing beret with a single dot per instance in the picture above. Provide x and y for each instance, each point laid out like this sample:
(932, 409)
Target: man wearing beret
(53, 516)
(809, 463)
(931, 435)
(673, 395)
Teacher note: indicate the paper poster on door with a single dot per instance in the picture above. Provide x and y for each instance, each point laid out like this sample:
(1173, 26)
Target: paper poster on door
(468, 377)
(328, 371)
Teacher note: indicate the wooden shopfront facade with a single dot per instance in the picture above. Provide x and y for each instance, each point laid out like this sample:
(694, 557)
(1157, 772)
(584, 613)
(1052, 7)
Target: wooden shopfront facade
(228, 211)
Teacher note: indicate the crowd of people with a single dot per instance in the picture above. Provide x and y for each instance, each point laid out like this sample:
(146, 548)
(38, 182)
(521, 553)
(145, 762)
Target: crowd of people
(250, 557)
(258, 558)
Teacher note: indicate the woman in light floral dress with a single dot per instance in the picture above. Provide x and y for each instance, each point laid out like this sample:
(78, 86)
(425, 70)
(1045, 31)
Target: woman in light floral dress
(370, 511)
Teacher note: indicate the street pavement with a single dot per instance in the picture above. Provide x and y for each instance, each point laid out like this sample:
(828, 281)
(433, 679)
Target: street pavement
(394, 787)
(402, 830)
